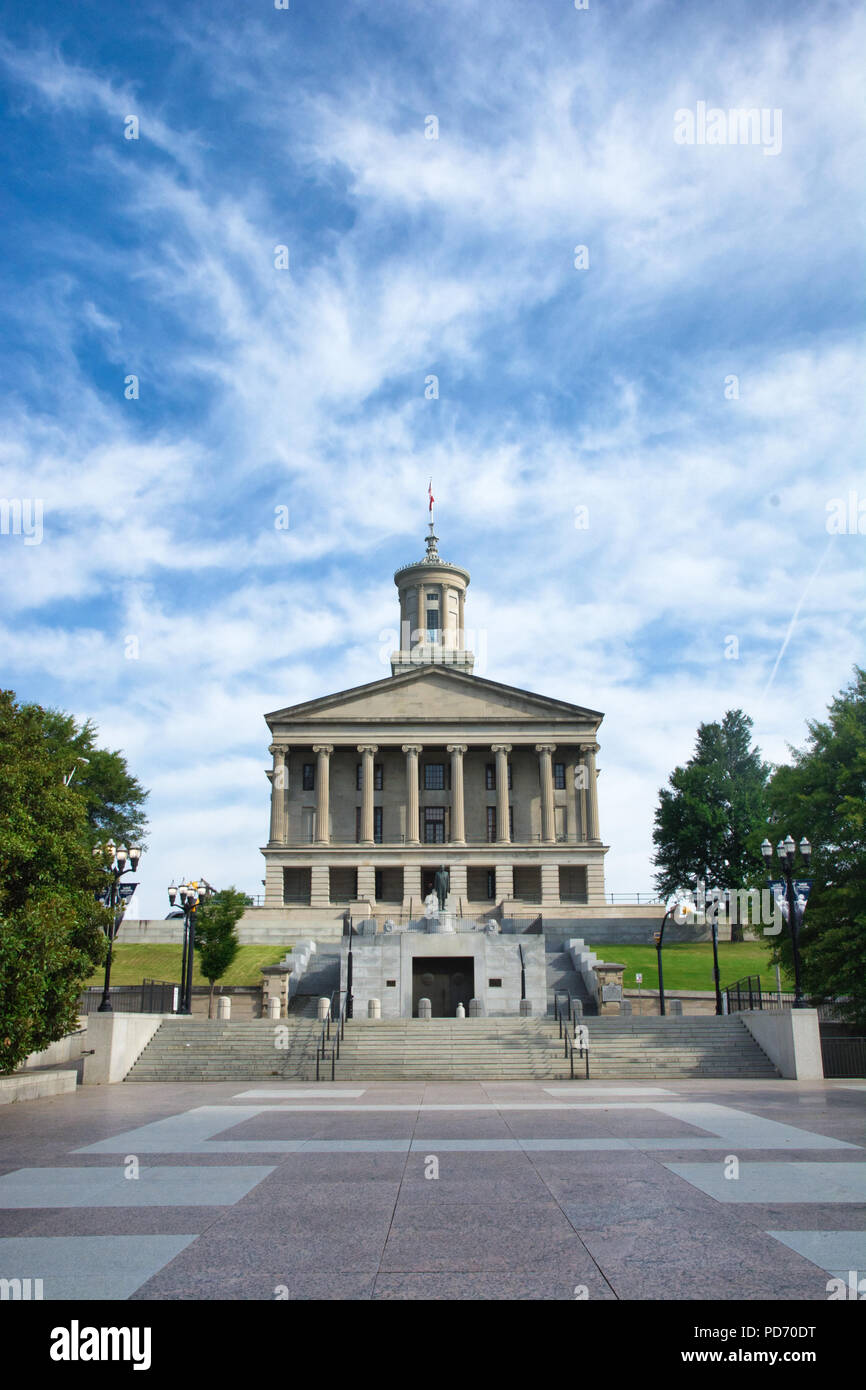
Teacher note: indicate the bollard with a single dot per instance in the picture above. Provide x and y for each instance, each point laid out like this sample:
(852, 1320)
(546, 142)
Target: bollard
(324, 1008)
(224, 1006)
(461, 1012)
(425, 1008)
(625, 1008)
(374, 1008)
(274, 1006)
(475, 1008)
(577, 1006)
(675, 1006)
(525, 1007)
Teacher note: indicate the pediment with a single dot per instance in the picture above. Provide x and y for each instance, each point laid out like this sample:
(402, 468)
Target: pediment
(431, 693)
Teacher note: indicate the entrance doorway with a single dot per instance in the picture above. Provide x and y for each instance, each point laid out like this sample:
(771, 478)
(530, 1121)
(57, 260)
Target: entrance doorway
(445, 980)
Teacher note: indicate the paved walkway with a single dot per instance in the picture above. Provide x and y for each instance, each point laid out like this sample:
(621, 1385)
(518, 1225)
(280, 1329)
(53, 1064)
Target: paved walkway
(519, 1190)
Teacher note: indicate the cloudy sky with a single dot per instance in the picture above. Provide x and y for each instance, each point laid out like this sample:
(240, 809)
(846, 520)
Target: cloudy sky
(693, 377)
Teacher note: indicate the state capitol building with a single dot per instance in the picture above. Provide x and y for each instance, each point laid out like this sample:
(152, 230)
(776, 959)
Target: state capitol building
(373, 788)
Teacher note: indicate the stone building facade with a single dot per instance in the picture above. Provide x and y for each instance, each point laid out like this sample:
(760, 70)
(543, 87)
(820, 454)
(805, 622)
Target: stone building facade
(374, 787)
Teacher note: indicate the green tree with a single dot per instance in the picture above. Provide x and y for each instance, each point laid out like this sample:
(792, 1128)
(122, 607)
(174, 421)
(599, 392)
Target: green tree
(113, 798)
(51, 926)
(822, 795)
(216, 940)
(713, 816)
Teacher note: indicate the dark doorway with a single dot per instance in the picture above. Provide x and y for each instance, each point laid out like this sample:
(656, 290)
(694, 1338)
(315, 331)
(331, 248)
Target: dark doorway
(445, 980)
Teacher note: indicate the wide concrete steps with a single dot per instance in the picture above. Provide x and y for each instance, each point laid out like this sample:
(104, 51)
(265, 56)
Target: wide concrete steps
(185, 1049)
(511, 1049)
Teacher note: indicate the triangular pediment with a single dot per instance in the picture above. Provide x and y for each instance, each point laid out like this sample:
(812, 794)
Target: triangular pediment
(434, 693)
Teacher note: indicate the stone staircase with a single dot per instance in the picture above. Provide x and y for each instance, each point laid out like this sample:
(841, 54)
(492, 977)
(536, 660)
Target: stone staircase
(562, 978)
(476, 1049)
(509, 1049)
(200, 1049)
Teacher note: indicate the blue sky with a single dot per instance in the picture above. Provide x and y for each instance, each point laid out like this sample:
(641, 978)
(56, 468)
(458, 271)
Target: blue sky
(559, 387)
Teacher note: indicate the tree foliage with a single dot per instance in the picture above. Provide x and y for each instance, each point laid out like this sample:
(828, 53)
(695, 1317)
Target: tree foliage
(216, 940)
(713, 816)
(113, 798)
(51, 927)
(822, 795)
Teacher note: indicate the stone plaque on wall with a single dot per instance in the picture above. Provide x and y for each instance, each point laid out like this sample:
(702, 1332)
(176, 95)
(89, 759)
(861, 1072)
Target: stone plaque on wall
(611, 994)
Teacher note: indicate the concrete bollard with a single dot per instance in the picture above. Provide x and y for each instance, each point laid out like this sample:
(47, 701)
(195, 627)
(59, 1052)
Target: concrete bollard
(475, 1008)
(625, 1008)
(675, 1006)
(324, 1008)
(425, 1008)
(274, 1006)
(577, 1005)
(525, 1007)
(374, 1008)
(224, 1006)
(461, 1012)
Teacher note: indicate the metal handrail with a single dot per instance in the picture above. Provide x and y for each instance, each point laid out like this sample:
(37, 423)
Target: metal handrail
(562, 994)
(571, 1045)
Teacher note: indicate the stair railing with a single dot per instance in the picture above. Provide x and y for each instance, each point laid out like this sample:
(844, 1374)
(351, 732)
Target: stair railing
(580, 1044)
(560, 1016)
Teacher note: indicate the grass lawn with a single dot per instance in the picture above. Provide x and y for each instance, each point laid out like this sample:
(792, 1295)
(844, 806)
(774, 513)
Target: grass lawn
(686, 965)
(131, 964)
(689, 965)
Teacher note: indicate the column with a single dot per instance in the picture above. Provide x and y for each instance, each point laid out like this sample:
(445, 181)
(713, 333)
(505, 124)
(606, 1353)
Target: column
(572, 833)
(582, 779)
(367, 750)
(545, 769)
(458, 829)
(592, 791)
(279, 782)
(503, 831)
(412, 750)
(323, 753)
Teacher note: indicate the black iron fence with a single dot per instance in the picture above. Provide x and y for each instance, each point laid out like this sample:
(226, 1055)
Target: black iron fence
(748, 994)
(843, 1056)
(150, 997)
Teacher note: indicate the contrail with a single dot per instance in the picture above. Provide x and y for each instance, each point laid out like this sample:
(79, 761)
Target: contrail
(793, 623)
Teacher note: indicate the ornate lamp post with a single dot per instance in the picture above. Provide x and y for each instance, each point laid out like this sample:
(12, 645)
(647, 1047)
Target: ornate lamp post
(681, 905)
(714, 902)
(787, 852)
(191, 894)
(114, 864)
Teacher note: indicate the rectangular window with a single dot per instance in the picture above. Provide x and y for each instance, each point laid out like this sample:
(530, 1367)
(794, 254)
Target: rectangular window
(377, 825)
(378, 779)
(434, 777)
(308, 824)
(511, 822)
(434, 825)
(491, 824)
(309, 777)
(491, 776)
(559, 776)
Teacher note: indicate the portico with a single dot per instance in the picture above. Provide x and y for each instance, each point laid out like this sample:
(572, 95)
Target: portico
(373, 787)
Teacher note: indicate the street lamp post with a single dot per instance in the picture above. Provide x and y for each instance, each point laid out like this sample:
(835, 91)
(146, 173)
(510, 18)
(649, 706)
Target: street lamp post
(191, 896)
(116, 861)
(714, 899)
(679, 905)
(787, 852)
